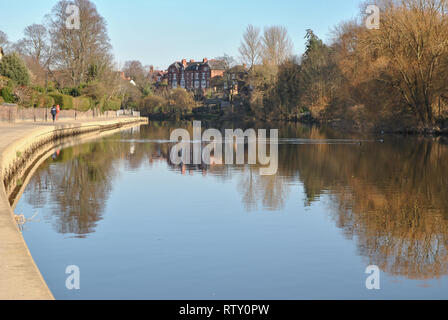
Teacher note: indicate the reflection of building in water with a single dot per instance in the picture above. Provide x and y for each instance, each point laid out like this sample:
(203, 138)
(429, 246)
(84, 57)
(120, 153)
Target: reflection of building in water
(389, 198)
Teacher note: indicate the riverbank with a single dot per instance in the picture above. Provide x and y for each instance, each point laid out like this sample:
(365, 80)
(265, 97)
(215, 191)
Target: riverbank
(22, 145)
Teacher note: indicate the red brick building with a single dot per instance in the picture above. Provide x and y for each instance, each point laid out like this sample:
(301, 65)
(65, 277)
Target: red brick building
(194, 75)
(156, 76)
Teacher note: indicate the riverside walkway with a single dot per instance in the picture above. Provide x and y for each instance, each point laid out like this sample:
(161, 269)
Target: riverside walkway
(20, 279)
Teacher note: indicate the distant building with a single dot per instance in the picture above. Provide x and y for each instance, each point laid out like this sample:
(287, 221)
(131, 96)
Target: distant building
(194, 75)
(1, 53)
(156, 76)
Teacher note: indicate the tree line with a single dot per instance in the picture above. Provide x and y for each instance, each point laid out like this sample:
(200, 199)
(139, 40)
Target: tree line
(391, 78)
(52, 62)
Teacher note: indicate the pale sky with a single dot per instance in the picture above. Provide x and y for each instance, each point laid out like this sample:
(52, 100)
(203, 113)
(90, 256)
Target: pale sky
(159, 32)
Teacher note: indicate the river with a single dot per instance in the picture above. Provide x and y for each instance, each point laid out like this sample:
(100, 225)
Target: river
(139, 227)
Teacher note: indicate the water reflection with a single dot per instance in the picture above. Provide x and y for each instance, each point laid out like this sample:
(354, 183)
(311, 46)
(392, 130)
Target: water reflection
(78, 180)
(388, 196)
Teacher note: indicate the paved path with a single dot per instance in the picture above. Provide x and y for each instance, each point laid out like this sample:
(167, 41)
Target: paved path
(20, 278)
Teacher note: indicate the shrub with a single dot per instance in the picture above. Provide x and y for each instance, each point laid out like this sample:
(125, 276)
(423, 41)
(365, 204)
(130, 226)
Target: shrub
(42, 101)
(3, 82)
(74, 92)
(13, 67)
(39, 89)
(154, 104)
(82, 103)
(112, 104)
(8, 96)
(48, 101)
(182, 99)
(64, 101)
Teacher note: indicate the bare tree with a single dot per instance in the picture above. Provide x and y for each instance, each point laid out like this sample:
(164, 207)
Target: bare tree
(250, 49)
(227, 62)
(135, 70)
(35, 43)
(276, 45)
(411, 47)
(77, 50)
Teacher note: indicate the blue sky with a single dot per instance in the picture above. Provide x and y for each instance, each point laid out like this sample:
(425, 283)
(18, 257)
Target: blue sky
(159, 32)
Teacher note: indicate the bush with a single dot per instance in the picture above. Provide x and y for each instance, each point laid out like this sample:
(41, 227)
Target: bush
(82, 103)
(39, 89)
(74, 92)
(154, 104)
(42, 101)
(8, 96)
(182, 99)
(64, 101)
(113, 104)
(48, 101)
(13, 67)
(3, 82)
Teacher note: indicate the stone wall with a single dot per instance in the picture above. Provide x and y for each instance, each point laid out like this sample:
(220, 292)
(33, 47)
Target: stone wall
(13, 113)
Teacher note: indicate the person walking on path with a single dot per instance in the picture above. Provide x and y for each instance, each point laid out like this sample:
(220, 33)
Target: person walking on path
(53, 112)
(58, 109)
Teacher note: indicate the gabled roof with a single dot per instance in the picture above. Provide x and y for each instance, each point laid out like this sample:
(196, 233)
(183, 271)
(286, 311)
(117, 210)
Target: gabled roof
(177, 65)
(194, 66)
(216, 64)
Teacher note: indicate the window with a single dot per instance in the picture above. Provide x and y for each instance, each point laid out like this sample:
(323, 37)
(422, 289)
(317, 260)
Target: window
(196, 75)
(174, 76)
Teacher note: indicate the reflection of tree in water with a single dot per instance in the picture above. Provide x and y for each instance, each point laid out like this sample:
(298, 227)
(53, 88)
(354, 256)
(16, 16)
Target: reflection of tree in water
(79, 185)
(81, 189)
(390, 198)
(270, 191)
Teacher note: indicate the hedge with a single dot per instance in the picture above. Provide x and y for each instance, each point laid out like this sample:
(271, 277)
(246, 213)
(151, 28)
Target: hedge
(113, 104)
(82, 103)
(8, 95)
(64, 101)
(43, 101)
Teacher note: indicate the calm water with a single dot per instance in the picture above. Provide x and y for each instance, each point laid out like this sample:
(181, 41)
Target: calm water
(139, 227)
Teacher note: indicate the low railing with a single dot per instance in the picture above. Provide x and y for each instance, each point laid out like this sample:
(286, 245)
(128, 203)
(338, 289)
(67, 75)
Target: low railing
(13, 113)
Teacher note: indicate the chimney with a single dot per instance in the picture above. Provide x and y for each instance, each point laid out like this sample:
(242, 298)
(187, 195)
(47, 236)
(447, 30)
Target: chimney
(151, 69)
(205, 60)
(184, 62)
